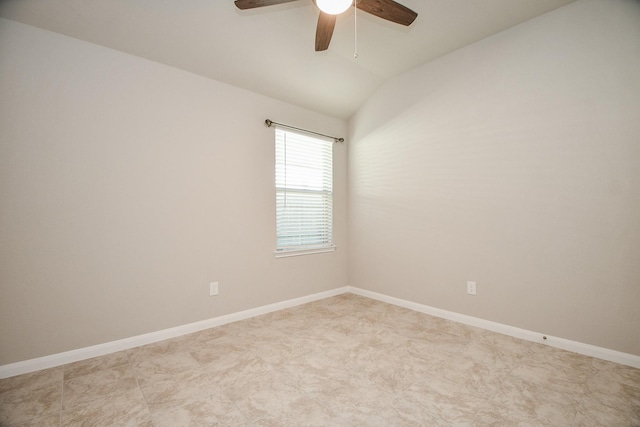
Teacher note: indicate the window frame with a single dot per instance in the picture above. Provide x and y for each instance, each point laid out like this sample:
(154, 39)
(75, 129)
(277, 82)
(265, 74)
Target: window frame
(296, 140)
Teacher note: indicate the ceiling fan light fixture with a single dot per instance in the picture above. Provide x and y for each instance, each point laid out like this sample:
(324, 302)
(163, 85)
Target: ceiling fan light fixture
(334, 7)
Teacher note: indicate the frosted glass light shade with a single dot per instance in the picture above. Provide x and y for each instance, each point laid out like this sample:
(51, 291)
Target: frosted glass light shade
(333, 7)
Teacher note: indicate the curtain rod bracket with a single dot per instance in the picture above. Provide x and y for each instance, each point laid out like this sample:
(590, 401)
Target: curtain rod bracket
(269, 123)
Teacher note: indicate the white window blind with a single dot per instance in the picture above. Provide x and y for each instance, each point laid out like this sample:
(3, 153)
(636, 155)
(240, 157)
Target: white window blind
(304, 192)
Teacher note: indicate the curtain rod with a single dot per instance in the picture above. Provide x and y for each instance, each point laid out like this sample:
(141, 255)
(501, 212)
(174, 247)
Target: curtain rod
(335, 139)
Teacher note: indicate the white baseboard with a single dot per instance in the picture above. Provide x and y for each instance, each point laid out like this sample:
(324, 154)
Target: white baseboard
(58, 359)
(53, 360)
(565, 344)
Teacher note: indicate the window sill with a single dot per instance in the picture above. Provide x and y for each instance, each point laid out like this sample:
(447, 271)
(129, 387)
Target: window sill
(300, 252)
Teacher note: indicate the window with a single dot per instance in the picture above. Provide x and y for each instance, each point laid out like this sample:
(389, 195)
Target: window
(304, 194)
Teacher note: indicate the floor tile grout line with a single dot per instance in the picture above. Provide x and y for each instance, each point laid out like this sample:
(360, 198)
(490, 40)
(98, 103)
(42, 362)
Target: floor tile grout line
(144, 397)
(61, 398)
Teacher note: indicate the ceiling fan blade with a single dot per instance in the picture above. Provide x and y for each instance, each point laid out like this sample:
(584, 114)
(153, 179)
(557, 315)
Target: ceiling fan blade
(389, 10)
(324, 30)
(251, 4)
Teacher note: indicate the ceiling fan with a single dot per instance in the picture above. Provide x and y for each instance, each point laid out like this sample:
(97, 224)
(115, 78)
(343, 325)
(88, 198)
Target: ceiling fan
(329, 9)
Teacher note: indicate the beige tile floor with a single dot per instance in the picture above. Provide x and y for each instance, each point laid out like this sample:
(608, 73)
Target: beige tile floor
(342, 361)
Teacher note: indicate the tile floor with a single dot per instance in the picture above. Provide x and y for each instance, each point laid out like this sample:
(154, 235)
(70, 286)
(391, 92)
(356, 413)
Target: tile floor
(342, 361)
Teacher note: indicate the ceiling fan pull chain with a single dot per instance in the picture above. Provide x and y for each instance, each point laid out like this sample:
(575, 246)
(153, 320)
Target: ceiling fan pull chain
(355, 29)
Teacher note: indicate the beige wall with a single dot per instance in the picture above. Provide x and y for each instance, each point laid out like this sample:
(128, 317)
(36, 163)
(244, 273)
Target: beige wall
(127, 186)
(514, 162)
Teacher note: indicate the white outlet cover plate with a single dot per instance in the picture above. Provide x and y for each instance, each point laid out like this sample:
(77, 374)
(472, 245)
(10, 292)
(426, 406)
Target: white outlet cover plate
(471, 288)
(213, 288)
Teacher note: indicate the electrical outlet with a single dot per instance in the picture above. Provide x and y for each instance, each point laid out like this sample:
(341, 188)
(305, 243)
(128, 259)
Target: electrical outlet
(471, 288)
(213, 288)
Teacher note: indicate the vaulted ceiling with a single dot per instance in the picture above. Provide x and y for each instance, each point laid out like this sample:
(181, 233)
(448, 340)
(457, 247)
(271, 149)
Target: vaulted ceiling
(270, 50)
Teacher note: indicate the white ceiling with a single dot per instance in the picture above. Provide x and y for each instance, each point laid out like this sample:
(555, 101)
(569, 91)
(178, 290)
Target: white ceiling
(271, 50)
